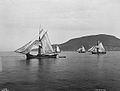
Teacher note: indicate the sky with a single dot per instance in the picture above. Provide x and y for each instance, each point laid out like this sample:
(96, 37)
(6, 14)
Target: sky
(63, 19)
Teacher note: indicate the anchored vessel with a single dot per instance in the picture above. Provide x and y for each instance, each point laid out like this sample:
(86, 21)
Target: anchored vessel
(98, 49)
(43, 47)
(81, 50)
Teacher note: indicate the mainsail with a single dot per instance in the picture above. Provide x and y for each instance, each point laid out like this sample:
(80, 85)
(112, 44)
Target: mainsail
(46, 45)
(83, 48)
(101, 48)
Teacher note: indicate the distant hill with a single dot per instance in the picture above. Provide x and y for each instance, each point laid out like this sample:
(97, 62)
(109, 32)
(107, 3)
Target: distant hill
(111, 43)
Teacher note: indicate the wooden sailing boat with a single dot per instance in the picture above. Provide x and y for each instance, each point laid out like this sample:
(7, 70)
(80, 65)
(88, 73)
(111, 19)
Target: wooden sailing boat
(44, 48)
(81, 50)
(98, 49)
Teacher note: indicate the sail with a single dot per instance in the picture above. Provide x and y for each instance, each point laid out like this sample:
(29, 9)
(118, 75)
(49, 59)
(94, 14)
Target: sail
(101, 48)
(35, 43)
(28, 47)
(46, 45)
(58, 49)
(95, 49)
(79, 49)
(23, 48)
(89, 50)
(83, 48)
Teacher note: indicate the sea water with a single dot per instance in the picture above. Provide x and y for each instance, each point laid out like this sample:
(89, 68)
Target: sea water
(76, 72)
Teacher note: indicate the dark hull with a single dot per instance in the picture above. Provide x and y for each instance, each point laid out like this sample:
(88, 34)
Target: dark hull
(81, 52)
(29, 56)
(98, 53)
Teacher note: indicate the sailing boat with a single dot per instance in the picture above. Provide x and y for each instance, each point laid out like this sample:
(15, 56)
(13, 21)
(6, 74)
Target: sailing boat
(81, 50)
(91, 49)
(57, 49)
(44, 48)
(98, 49)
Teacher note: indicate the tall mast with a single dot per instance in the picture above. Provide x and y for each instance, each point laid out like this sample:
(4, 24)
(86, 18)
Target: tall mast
(39, 48)
(97, 47)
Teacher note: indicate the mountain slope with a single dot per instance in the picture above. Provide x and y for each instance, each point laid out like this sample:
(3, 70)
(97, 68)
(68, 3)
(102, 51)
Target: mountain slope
(111, 43)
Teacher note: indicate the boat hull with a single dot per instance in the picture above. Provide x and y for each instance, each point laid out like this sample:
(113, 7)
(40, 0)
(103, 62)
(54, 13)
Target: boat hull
(29, 56)
(98, 53)
(81, 52)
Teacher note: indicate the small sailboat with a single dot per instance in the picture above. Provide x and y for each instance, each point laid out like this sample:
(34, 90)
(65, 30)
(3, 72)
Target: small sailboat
(57, 49)
(98, 49)
(42, 45)
(81, 50)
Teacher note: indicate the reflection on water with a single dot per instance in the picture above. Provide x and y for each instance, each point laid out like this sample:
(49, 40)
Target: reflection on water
(100, 71)
(100, 59)
(0, 65)
(40, 64)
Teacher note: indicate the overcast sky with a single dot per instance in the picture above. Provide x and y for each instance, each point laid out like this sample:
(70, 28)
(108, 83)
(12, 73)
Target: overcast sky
(63, 19)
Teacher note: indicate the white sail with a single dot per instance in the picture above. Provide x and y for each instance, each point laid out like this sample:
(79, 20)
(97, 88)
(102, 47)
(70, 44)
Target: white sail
(101, 48)
(79, 49)
(83, 48)
(46, 45)
(35, 43)
(92, 49)
(23, 48)
(57, 49)
(27, 47)
(89, 50)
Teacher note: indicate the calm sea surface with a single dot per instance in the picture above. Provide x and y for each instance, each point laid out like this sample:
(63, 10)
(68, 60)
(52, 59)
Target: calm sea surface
(76, 72)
